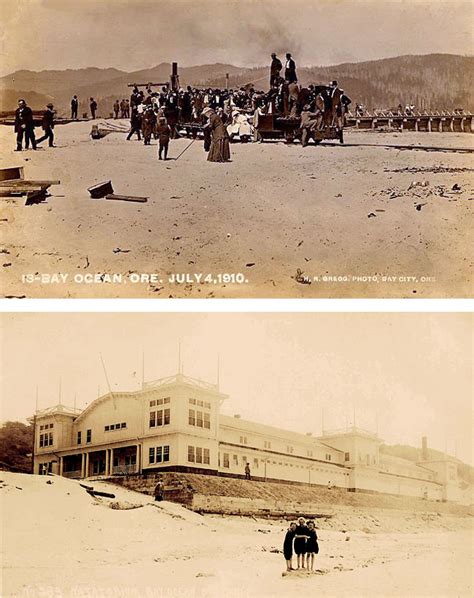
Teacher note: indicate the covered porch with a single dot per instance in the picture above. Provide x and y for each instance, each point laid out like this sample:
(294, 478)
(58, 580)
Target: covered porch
(121, 460)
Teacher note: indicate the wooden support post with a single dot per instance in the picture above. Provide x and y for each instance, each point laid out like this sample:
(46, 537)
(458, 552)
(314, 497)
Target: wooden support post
(61, 465)
(112, 461)
(430, 120)
(106, 461)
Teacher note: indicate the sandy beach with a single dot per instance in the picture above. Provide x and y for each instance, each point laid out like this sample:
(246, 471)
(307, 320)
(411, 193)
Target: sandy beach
(359, 220)
(59, 541)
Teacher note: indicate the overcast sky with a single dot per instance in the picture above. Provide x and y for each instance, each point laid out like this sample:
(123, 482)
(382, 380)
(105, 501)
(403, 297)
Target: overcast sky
(136, 34)
(413, 370)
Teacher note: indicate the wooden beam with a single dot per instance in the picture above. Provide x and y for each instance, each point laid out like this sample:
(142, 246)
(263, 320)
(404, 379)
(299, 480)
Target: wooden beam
(127, 198)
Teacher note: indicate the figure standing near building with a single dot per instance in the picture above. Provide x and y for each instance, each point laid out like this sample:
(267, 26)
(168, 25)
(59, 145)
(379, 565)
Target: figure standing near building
(93, 107)
(24, 126)
(247, 471)
(275, 69)
(290, 69)
(301, 536)
(74, 107)
(48, 126)
(164, 133)
(312, 547)
(220, 147)
(159, 488)
(288, 546)
(116, 108)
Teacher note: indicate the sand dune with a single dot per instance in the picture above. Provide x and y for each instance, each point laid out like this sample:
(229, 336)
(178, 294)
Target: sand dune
(60, 541)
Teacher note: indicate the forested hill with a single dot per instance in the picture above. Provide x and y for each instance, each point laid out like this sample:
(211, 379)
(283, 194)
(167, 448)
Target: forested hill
(433, 81)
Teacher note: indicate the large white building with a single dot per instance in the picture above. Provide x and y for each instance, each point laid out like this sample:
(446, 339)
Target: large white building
(175, 424)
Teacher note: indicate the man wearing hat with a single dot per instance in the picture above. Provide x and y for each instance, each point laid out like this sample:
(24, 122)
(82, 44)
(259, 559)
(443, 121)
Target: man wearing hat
(290, 69)
(275, 69)
(48, 126)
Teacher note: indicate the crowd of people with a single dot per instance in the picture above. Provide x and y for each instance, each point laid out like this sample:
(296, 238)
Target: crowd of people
(218, 113)
(301, 539)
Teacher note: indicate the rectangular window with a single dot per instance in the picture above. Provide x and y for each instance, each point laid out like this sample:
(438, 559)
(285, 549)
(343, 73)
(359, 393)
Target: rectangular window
(41, 428)
(159, 402)
(41, 440)
(255, 463)
(152, 403)
(207, 405)
(244, 459)
(89, 436)
(192, 401)
(50, 439)
(117, 426)
(347, 457)
(167, 417)
(79, 437)
(226, 459)
(191, 457)
(199, 419)
(192, 417)
(198, 454)
(151, 455)
(207, 420)
(309, 453)
(199, 403)
(123, 425)
(159, 419)
(166, 453)
(206, 456)
(107, 428)
(235, 459)
(267, 444)
(289, 449)
(243, 440)
(51, 426)
(166, 400)
(152, 419)
(159, 454)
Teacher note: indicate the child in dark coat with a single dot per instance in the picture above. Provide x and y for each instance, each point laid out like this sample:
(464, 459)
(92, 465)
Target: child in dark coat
(288, 546)
(312, 547)
(163, 130)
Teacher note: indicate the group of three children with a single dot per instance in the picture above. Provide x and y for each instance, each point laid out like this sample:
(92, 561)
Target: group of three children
(303, 539)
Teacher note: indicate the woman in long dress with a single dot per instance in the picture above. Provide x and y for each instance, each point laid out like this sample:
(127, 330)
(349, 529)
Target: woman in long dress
(220, 147)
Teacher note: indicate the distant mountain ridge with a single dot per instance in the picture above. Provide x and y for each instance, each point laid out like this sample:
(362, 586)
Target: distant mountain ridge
(430, 81)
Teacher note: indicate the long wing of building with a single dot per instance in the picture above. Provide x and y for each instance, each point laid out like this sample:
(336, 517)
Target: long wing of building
(175, 424)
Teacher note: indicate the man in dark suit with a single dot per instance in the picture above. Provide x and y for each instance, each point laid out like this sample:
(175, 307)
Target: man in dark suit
(24, 126)
(74, 107)
(290, 69)
(48, 126)
(93, 106)
(275, 69)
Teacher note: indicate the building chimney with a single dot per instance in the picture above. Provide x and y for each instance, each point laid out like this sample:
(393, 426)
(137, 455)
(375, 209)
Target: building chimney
(424, 448)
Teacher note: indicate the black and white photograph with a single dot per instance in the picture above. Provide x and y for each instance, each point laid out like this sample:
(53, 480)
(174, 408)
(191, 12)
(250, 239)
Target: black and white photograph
(256, 455)
(236, 149)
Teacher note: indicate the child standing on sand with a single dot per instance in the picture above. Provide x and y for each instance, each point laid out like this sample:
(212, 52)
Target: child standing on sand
(163, 132)
(301, 535)
(312, 547)
(288, 546)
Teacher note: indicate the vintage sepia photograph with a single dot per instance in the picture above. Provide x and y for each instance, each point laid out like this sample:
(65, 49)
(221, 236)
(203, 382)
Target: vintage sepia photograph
(257, 455)
(236, 148)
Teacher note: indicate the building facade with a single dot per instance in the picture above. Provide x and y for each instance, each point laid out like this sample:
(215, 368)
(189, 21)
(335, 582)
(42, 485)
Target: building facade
(176, 424)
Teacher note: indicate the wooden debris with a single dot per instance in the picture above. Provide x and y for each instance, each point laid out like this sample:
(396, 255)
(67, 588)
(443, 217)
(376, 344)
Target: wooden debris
(101, 190)
(126, 197)
(8, 174)
(97, 493)
(28, 182)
